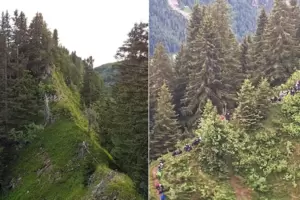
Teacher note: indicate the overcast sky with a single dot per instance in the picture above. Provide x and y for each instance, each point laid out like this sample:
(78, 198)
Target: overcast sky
(90, 27)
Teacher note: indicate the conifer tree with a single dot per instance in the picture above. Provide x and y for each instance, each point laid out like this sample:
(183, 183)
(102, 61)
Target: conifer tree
(263, 94)
(257, 47)
(281, 50)
(165, 131)
(204, 75)
(40, 45)
(220, 143)
(295, 16)
(180, 78)
(195, 23)
(92, 88)
(160, 71)
(245, 57)
(55, 37)
(131, 95)
(228, 52)
(246, 114)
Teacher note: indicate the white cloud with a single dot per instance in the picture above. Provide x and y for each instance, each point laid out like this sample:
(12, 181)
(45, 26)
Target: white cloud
(90, 27)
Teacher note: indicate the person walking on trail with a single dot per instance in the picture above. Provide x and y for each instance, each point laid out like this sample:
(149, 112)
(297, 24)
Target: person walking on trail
(292, 92)
(161, 164)
(161, 188)
(222, 117)
(177, 152)
(159, 167)
(186, 147)
(156, 184)
(297, 86)
(196, 141)
(158, 174)
(227, 116)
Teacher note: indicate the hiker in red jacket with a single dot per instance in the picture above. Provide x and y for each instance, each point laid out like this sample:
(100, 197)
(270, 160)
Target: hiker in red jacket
(222, 117)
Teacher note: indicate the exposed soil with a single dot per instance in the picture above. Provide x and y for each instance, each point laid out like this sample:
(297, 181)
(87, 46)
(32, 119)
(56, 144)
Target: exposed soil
(241, 192)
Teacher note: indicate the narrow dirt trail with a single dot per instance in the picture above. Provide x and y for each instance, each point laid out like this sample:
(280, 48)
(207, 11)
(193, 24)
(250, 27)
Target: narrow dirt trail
(241, 192)
(174, 5)
(153, 180)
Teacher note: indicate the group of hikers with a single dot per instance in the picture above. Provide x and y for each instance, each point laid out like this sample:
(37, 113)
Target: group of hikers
(292, 91)
(226, 116)
(187, 147)
(159, 187)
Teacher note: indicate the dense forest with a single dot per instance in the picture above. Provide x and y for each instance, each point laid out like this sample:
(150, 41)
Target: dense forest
(254, 153)
(64, 134)
(168, 26)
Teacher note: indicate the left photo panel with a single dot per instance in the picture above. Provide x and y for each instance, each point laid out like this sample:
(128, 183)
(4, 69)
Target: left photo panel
(74, 100)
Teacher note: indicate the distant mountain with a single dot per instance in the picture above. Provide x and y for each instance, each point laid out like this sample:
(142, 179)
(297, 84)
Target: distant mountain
(168, 19)
(107, 72)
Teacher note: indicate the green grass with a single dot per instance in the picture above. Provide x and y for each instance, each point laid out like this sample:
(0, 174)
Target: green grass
(58, 147)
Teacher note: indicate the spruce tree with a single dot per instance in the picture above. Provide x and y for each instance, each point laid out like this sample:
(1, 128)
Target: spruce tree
(281, 50)
(195, 23)
(160, 71)
(228, 53)
(204, 75)
(91, 90)
(295, 16)
(40, 45)
(165, 131)
(220, 143)
(257, 47)
(130, 124)
(245, 57)
(263, 94)
(55, 37)
(246, 114)
(180, 78)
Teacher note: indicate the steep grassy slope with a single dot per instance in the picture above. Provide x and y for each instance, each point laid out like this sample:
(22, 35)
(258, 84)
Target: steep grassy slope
(276, 161)
(64, 162)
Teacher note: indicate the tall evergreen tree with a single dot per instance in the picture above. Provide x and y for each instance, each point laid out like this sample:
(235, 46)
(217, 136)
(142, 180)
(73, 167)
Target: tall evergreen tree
(295, 16)
(165, 131)
(263, 94)
(257, 47)
(180, 78)
(55, 37)
(204, 75)
(246, 114)
(40, 45)
(195, 23)
(245, 57)
(281, 50)
(220, 142)
(228, 53)
(131, 96)
(160, 71)
(92, 88)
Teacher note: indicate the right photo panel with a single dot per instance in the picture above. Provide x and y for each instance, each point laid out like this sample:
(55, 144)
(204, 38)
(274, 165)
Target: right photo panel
(224, 108)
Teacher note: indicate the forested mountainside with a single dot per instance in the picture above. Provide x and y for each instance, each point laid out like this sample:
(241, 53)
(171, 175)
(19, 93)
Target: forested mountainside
(108, 73)
(168, 26)
(254, 153)
(60, 128)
